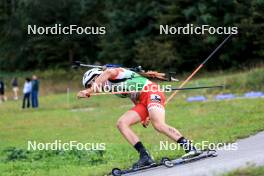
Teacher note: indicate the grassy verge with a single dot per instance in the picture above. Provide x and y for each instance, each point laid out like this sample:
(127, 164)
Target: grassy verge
(93, 121)
(249, 171)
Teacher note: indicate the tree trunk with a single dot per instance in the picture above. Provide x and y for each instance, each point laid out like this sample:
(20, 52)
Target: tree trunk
(71, 55)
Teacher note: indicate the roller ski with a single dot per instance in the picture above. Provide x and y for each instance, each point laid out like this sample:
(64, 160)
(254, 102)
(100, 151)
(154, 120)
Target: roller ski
(145, 162)
(190, 157)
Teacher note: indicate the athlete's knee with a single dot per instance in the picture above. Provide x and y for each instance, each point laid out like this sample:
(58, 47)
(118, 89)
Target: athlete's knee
(121, 124)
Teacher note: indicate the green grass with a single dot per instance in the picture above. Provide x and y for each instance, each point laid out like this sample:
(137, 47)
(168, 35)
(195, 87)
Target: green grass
(249, 171)
(219, 121)
(94, 120)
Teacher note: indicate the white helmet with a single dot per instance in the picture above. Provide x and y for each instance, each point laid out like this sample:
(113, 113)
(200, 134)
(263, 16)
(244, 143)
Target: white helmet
(90, 74)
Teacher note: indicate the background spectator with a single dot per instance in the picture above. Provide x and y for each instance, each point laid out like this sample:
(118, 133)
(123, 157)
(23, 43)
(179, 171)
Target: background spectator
(35, 89)
(15, 88)
(2, 90)
(27, 91)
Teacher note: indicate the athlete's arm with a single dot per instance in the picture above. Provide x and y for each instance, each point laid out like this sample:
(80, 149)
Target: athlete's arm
(106, 75)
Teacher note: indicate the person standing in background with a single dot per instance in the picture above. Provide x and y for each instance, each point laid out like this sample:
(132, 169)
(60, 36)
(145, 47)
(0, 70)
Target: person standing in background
(15, 88)
(34, 93)
(27, 91)
(2, 91)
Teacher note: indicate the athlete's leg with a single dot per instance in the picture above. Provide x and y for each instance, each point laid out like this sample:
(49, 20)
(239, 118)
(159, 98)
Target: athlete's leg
(157, 117)
(124, 125)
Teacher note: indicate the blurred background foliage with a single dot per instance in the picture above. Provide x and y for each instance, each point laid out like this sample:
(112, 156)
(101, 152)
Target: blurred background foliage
(132, 36)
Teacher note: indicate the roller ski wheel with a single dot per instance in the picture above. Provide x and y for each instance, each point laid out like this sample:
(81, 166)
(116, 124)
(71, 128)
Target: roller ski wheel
(116, 172)
(168, 164)
(164, 159)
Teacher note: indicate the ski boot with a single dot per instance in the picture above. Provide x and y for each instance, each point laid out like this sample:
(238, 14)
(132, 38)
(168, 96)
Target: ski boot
(144, 161)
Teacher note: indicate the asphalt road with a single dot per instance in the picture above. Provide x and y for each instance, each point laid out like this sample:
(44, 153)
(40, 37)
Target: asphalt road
(249, 151)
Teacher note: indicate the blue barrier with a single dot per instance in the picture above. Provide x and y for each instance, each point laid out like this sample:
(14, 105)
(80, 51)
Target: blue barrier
(196, 98)
(225, 96)
(253, 94)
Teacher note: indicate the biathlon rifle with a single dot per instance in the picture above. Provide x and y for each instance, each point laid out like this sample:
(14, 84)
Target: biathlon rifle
(148, 74)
